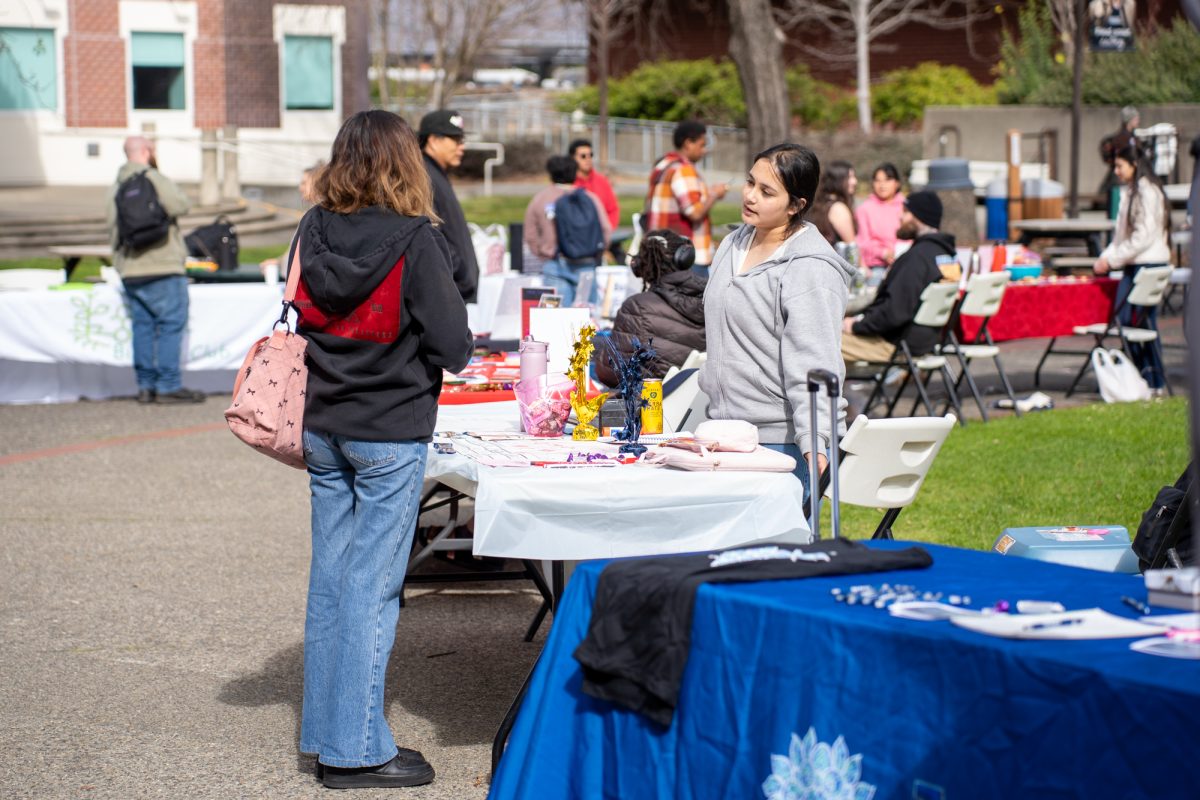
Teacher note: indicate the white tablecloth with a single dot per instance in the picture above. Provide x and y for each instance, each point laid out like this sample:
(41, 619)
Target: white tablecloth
(60, 346)
(576, 514)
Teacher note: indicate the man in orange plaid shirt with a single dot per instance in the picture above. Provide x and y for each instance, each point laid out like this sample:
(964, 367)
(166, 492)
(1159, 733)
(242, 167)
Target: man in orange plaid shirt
(678, 199)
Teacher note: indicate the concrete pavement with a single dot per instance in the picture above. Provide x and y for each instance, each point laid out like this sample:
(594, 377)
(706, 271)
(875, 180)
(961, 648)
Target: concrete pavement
(152, 612)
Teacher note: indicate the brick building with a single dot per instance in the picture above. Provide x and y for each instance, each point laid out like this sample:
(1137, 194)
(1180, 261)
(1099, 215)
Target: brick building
(77, 76)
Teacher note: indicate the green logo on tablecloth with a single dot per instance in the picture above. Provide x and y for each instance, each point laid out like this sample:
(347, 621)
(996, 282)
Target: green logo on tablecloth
(100, 324)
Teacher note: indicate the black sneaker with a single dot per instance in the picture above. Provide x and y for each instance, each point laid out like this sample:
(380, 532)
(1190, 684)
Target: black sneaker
(145, 396)
(180, 396)
(408, 768)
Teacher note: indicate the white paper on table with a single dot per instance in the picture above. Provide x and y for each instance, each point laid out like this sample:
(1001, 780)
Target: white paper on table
(558, 328)
(1088, 623)
(927, 611)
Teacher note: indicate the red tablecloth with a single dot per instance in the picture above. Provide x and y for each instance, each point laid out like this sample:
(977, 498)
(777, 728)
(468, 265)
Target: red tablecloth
(1036, 310)
(449, 398)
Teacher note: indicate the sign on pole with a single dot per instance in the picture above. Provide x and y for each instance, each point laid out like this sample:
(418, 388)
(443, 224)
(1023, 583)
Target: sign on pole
(1110, 25)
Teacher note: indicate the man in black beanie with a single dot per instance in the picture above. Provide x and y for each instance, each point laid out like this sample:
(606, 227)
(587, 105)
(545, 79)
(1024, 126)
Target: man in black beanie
(873, 335)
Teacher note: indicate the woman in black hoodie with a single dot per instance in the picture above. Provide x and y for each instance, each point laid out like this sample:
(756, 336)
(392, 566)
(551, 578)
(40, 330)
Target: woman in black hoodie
(669, 310)
(382, 316)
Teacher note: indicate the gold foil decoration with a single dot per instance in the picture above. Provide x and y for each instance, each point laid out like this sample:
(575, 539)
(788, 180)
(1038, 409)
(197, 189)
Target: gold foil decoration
(585, 410)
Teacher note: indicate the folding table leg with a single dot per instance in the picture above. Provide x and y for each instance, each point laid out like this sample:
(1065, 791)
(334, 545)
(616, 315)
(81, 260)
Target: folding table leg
(1007, 386)
(1037, 373)
(966, 373)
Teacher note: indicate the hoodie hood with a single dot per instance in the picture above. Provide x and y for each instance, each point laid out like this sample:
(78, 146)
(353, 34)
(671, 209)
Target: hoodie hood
(938, 241)
(805, 243)
(684, 292)
(344, 257)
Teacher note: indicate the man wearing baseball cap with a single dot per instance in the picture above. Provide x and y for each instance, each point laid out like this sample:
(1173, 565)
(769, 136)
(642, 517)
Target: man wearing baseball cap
(441, 137)
(873, 335)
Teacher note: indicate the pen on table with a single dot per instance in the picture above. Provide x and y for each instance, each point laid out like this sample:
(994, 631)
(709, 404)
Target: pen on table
(1037, 626)
(1136, 605)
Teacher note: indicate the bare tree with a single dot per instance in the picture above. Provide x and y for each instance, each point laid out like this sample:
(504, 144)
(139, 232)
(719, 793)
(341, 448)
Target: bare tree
(1062, 15)
(756, 46)
(380, 16)
(458, 31)
(609, 22)
(864, 22)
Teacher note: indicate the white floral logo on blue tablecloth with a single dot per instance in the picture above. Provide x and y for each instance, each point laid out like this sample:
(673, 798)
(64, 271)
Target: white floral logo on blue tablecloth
(815, 770)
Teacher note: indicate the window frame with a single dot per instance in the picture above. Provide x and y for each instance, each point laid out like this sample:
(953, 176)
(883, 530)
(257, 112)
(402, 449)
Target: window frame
(56, 32)
(183, 67)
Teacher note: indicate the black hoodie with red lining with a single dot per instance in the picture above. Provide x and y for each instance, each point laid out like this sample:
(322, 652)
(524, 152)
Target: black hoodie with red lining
(382, 316)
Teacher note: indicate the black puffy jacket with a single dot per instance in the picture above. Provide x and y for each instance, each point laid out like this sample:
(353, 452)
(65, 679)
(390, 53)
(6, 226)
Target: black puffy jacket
(671, 313)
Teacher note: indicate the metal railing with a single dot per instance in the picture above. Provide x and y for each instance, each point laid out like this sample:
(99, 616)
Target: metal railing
(633, 144)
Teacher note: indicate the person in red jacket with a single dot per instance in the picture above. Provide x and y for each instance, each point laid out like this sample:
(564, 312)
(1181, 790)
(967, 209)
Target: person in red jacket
(588, 177)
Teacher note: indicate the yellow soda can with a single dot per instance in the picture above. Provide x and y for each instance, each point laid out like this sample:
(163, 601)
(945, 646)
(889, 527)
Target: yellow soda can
(652, 418)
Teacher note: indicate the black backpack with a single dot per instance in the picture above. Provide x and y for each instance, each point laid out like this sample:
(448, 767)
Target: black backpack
(217, 242)
(1166, 528)
(577, 224)
(141, 220)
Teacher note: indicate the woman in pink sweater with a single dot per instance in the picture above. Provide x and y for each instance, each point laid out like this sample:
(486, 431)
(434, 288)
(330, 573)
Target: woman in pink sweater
(878, 217)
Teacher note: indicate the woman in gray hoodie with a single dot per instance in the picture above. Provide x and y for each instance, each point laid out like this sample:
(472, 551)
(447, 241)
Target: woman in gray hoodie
(773, 309)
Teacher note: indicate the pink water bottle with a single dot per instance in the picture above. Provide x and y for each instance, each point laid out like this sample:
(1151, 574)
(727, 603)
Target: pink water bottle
(533, 359)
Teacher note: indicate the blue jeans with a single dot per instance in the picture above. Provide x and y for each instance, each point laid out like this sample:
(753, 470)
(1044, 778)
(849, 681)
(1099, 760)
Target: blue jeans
(1146, 357)
(801, 470)
(364, 511)
(158, 314)
(563, 278)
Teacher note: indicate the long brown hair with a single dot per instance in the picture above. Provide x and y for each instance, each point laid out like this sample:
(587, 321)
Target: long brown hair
(375, 162)
(834, 187)
(1133, 156)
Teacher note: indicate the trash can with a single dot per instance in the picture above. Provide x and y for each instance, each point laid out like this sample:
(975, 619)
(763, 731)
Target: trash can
(996, 202)
(1043, 199)
(951, 179)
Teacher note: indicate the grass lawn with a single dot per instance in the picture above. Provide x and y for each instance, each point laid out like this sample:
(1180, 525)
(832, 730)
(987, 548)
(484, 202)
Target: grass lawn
(1097, 464)
(507, 209)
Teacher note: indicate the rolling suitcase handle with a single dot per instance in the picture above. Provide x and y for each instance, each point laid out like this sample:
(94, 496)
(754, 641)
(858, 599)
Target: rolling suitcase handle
(816, 377)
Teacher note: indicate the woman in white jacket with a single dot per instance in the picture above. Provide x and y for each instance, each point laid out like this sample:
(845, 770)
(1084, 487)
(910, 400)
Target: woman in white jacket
(1142, 239)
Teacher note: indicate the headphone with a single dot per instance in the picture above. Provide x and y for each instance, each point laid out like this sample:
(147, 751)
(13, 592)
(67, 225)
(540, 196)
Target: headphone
(683, 257)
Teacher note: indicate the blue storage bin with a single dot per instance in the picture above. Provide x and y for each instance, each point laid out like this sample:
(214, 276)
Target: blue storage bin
(1100, 547)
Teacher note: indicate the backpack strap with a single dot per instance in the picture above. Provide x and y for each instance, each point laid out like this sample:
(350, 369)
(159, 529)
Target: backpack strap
(293, 279)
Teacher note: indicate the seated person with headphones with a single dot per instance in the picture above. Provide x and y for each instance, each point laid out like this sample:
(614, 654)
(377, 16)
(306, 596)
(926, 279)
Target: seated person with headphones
(669, 309)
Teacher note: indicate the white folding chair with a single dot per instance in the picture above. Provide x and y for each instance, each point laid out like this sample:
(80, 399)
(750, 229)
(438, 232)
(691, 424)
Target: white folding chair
(684, 405)
(937, 306)
(1149, 285)
(885, 461)
(984, 293)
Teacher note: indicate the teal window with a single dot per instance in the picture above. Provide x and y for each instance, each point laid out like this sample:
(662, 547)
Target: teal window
(158, 79)
(28, 69)
(308, 72)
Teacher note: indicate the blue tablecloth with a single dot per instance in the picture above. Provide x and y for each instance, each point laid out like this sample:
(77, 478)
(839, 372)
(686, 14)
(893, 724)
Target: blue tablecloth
(848, 702)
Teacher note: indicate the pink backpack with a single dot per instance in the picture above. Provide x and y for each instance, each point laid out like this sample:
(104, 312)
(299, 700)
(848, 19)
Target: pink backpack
(268, 396)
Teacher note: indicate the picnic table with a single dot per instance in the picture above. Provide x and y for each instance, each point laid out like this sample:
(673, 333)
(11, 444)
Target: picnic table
(1091, 230)
(72, 254)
